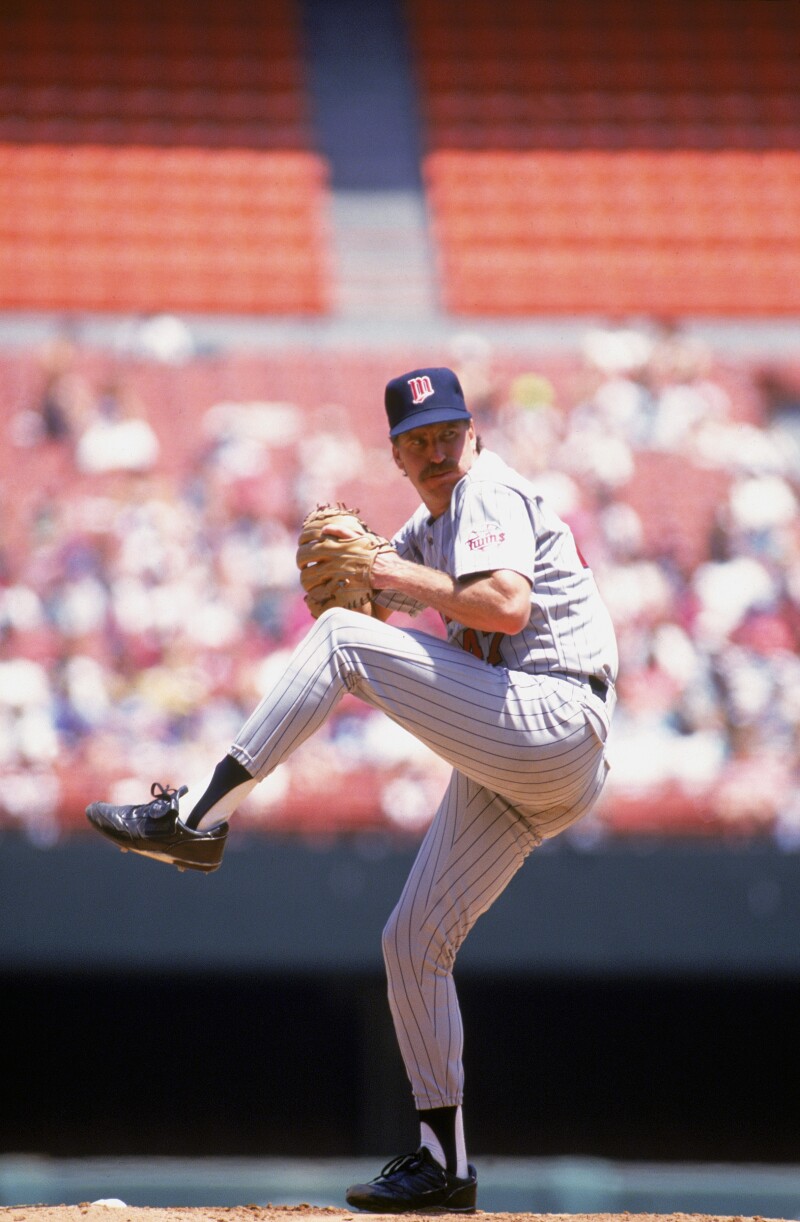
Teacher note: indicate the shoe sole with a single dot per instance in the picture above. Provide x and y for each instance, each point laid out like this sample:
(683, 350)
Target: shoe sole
(437, 1210)
(180, 863)
(427, 1211)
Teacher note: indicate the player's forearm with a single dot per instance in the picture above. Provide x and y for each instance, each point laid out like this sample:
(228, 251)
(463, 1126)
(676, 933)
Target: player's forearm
(494, 602)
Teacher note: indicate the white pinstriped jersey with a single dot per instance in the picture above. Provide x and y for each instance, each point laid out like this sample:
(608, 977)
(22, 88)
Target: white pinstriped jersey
(496, 520)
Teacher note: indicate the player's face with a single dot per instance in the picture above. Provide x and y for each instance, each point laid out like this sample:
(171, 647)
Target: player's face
(434, 458)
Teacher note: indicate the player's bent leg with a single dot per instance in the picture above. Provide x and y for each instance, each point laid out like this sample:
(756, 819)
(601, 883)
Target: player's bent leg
(525, 736)
(483, 720)
(391, 669)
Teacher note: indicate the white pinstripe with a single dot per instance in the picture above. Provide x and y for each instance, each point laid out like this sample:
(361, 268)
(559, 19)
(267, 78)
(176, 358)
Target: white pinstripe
(528, 762)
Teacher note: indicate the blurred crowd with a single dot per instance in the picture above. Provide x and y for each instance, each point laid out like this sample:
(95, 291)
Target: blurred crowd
(145, 603)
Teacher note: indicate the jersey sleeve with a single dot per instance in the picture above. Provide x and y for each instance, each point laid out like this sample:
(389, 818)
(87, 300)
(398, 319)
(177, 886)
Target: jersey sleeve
(493, 531)
(395, 601)
(405, 544)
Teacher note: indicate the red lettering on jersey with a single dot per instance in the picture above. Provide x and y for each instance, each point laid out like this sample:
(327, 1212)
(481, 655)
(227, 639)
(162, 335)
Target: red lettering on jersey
(471, 643)
(489, 535)
(493, 656)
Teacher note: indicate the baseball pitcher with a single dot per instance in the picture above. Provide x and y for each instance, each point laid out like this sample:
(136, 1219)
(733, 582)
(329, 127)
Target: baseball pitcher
(517, 699)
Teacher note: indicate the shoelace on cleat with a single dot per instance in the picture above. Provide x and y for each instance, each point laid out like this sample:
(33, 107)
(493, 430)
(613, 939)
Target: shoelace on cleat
(164, 795)
(403, 1162)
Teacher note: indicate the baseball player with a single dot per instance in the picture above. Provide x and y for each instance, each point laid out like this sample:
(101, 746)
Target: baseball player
(517, 698)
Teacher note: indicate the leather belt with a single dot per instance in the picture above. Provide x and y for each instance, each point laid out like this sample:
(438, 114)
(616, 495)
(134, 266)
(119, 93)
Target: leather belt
(598, 687)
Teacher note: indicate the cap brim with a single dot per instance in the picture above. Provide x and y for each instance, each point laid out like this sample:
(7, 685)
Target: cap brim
(432, 416)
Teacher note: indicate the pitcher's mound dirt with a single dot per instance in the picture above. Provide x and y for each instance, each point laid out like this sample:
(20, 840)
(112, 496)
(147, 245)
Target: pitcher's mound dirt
(96, 1212)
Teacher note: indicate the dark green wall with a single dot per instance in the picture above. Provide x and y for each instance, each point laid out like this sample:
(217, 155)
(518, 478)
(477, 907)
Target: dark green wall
(667, 909)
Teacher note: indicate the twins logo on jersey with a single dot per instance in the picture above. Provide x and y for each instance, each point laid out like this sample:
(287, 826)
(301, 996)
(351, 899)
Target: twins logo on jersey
(485, 536)
(421, 389)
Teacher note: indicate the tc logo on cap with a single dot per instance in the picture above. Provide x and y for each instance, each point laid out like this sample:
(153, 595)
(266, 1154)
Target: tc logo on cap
(421, 388)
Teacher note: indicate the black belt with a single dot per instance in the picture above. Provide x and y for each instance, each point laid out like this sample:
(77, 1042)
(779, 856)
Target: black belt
(598, 687)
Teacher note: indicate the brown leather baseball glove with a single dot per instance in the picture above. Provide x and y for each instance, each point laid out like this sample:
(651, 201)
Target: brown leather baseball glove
(335, 554)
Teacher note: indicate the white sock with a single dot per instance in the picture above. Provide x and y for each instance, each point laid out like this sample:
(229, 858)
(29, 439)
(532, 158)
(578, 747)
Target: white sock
(462, 1169)
(222, 809)
(428, 1138)
(430, 1141)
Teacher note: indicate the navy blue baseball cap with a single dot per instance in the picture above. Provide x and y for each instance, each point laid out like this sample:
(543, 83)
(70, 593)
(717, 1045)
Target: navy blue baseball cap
(424, 396)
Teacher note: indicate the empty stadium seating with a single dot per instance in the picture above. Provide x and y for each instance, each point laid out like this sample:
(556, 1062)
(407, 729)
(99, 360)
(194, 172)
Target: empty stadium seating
(672, 131)
(691, 73)
(123, 229)
(660, 231)
(615, 158)
(83, 72)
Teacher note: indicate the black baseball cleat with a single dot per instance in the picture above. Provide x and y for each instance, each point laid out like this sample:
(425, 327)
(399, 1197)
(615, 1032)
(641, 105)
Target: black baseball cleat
(416, 1183)
(154, 830)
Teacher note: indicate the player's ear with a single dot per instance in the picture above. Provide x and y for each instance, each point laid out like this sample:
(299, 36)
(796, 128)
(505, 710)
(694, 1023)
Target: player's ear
(397, 459)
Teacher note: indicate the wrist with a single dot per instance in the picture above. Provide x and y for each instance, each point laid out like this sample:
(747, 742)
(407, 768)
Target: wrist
(383, 566)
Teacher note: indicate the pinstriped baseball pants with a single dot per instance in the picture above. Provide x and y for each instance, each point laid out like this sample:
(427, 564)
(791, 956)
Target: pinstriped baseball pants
(526, 762)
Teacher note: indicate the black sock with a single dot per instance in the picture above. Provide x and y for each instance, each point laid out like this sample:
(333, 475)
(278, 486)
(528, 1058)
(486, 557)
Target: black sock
(442, 1120)
(227, 775)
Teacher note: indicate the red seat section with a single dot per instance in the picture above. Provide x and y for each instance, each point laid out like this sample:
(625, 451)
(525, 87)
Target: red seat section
(106, 228)
(680, 527)
(576, 74)
(659, 231)
(189, 72)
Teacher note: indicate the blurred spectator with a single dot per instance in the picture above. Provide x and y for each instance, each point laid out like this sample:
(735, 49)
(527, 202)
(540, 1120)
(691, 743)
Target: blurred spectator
(472, 357)
(330, 455)
(62, 400)
(780, 391)
(116, 435)
(618, 351)
(159, 337)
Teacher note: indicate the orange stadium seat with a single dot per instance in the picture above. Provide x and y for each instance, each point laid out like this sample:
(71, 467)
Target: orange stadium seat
(154, 229)
(633, 230)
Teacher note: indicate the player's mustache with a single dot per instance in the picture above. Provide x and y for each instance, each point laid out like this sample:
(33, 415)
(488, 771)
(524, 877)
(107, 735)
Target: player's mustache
(438, 468)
